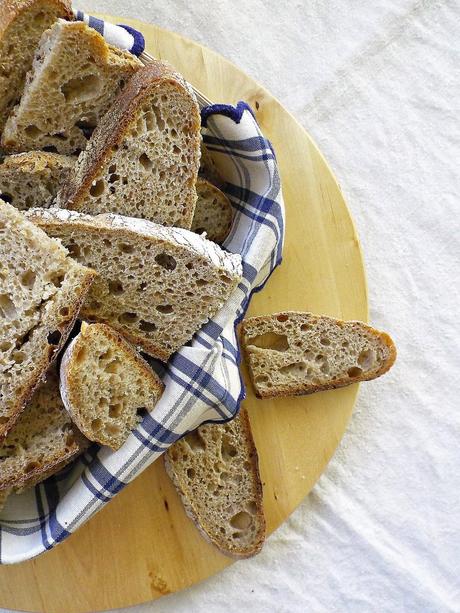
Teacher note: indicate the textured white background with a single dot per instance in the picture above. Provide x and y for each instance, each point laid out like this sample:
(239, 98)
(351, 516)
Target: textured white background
(376, 84)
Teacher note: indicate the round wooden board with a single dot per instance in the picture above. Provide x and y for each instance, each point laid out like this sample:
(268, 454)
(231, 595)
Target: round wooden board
(142, 545)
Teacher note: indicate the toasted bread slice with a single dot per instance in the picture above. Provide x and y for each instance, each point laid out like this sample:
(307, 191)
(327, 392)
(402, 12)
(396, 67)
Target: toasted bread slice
(41, 292)
(42, 442)
(142, 160)
(208, 169)
(75, 77)
(294, 353)
(213, 212)
(215, 470)
(22, 22)
(32, 179)
(104, 384)
(157, 286)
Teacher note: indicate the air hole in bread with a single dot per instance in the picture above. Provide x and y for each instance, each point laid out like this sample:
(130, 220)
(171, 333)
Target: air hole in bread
(82, 88)
(191, 473)
(158, 118)
(227, 450)
(305, 327)
(324, 341)
(270, 340)
(6, 197)
(64, 311)
(354, 371)
(57, 280)
(30, 466)
(128, 318)
(50, 149)
(112, 429)
(251, 507)
(113, 178)
(97, 188)
(165, 308)
(319, 357)
(39, 18)
(113, 367)
(125, 248)
(19, 357)
(115, 409)
(81, 355)
(96, 424)
(325, 368)
(32, 131)
(166, 261)
(345, 344)
(53, 338)
(5, 345)
(261, 379)
(366, 358)
(145, 162)
(74, 250)
(282, 317)
(241, 521)
(202, 282)
(7, 307)
(176, 150)
(297, 368)
(115, 288)
(195, 441)
(70, 440)
(28, 278)
(147, 326)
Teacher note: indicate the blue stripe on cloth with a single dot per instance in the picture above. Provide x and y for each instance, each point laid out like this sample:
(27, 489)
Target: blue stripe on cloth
(152, 445)
(105, 478)
(96, 24)
(200, 395)
(95, 491)
(160, 432)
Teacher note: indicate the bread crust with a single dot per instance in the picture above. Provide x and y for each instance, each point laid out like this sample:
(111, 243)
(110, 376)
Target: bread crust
(11, 9)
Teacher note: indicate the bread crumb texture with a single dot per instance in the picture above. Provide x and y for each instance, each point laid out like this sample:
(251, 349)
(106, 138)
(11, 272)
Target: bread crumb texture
(213, 212)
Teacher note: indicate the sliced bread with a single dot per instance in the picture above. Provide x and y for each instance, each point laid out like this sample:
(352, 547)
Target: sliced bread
(213, 212)
(32, 179)
(215, 470)
(143, 158)
(294, 353)
(156, 285)
(104, 384)
(208, 169)
(22, 22)
(41, 292)
(74, 79)
(42, 442)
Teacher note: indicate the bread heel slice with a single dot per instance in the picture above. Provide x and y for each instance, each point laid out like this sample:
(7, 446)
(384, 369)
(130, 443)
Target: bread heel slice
(215, 471)
(105, 383)
(294, 353)
(213, 212)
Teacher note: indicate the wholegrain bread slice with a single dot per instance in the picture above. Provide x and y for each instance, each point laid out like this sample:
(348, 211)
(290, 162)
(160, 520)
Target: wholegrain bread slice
(41, 291)
(293, 353)
(157, 286)
(32, 179)
(208, 169)
(43, 441)
(213, 212)
(22, 22)
(142, 160)
(215, 470)
(105, 383)
(74, 79)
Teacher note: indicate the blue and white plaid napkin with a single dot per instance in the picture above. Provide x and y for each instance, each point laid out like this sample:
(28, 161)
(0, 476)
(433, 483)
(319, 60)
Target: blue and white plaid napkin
(202, 381)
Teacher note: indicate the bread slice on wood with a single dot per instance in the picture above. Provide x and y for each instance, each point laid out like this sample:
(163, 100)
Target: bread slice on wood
(156, 285)
(213, 212)
(294, 353)
(42, 442)
(41, 291)
(104, 384)
(22, 22)
(75, 77)
(32, 179)
(208, 169)
(215, 470)
(142, 160)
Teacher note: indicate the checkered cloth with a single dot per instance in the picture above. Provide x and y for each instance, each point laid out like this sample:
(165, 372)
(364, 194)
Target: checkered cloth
(202, 381)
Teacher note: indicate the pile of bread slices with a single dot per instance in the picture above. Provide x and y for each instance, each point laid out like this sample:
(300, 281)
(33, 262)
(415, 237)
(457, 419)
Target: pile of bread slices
(110, 234)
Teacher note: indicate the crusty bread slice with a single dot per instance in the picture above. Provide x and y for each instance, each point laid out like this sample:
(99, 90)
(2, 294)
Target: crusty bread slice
(22, 22)
(104, 384)
(213, 212)
(294, 353)
(142, 160)
(156, 285)
(74, 80)
(32, 179)
(41, 290)
(208, 169)
(215, 470)
(42, 442)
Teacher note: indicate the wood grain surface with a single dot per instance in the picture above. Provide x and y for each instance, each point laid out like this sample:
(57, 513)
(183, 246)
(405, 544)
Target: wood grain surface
(142, 545)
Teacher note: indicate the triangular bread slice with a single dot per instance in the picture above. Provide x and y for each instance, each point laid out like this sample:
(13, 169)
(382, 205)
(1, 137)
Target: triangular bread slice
(32, 179)
(156, 285)
(105, 383)
(294, 353)
(213, 212)
(21, 26)
(41, 292)
(215, 470)
(75, 77)
(43, 441)
(142, 160)
(208, 169)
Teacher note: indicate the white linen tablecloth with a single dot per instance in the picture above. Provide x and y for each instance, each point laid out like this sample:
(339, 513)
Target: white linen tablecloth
(376, 84)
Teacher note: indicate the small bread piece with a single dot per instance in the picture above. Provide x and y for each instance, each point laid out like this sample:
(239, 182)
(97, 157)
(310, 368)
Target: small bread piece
(294, 353)
(41, 291)
(32, 179)
(156, 285)
(22, 22)
(74, 79)
(215, 470)
(208, 168)
(43, 441)
(142, 160)
(213, 212)
(104, 383)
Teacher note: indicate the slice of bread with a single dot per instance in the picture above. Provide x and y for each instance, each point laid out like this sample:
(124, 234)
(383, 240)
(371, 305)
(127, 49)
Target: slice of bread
(41, 291)
(294, 353)
(32, 179)
(42, 442)
(142, 160)
(75, 77)
(215, 470)
(213, 212)
(156, 285)
(208, 169)
(22, 22)
(104, 384)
